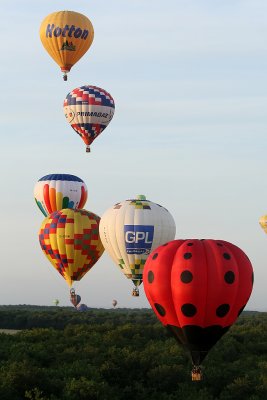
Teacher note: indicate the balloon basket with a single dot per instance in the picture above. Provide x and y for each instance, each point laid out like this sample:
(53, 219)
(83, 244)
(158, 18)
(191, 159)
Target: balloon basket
(135, 292)
(88, 149)
(196, 374)
(65, 77)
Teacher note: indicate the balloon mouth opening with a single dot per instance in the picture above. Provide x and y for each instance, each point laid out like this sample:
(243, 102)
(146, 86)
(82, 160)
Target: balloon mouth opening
(66, 68)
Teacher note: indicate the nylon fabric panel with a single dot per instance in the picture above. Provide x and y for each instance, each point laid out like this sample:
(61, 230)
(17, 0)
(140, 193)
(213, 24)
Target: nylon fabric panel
(126, 216)
(220, 260)
(157, 282)
(80, 224)
(107, 231)
(245, 278)
(191, 293)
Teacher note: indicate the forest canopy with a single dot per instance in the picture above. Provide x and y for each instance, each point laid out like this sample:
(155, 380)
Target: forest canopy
(61, 354)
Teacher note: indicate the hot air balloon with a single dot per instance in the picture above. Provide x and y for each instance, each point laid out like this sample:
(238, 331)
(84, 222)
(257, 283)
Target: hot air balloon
(130, 230)
(114, 303)
(89, 110)
(57, 191)
(70, 240)
(197, 289)
(82, 307)
(56, 302)
(263, 223)
(66, 36)
(74, 298)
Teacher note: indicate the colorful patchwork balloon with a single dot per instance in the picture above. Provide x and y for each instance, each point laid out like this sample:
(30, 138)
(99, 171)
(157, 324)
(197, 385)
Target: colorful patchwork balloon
(197, 289)
(56, 191)
(130, 230)
(89, 110)
(66, 36)
(70, 240)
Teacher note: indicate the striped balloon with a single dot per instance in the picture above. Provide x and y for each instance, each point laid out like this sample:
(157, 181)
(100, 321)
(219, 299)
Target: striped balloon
(56, 191)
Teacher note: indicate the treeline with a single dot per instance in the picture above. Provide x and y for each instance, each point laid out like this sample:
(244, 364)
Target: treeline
(123, 355)
(27, 317)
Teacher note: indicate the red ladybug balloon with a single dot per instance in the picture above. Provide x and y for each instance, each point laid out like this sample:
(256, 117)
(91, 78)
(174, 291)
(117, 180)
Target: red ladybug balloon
(197, 289)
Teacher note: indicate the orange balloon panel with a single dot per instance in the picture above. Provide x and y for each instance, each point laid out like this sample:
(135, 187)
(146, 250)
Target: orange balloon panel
(66, 36)
(70, 240)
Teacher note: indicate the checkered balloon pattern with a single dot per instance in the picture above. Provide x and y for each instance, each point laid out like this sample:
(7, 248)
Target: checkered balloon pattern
(71, 242)
(89, 110)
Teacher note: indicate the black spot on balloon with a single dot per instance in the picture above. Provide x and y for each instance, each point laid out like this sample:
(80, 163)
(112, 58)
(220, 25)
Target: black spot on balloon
(150, 276)
(160, 309)
(186, 276)
(226, 256)
(187, 256)
(154, 256)
(188, 309)
(229, 277)
(252, 278)
(190, 244)
(222, 310)
(219, 244)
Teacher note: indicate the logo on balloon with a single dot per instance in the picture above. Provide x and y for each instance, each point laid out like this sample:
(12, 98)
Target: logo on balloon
(69, 114)
(138, 238)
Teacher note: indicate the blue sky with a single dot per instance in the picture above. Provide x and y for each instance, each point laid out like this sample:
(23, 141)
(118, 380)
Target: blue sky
(189, 131)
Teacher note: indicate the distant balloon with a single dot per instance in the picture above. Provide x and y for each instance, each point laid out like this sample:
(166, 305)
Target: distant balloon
(263, 223)
(66, 36)
(74, 298)
(54, 192)
(89, 110)
(114, 303)
(82, 307)
(197, 289)
(70, 240)
(130, 230)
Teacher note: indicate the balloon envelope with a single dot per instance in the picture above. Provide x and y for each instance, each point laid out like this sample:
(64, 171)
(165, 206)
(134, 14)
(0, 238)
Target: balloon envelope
(131, 229)
(82, 307)
(66, 36)
(75, 299)
(89, 110)
(197, 289)
(114, 303)
(70, 240)
(54, 192)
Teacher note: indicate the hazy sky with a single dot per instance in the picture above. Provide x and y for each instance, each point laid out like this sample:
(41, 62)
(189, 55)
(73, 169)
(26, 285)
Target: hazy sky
(189, 79)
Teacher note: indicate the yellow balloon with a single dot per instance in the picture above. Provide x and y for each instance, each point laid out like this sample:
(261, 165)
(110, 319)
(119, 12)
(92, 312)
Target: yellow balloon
(70, 240)
(263, 223)
(66, 36)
